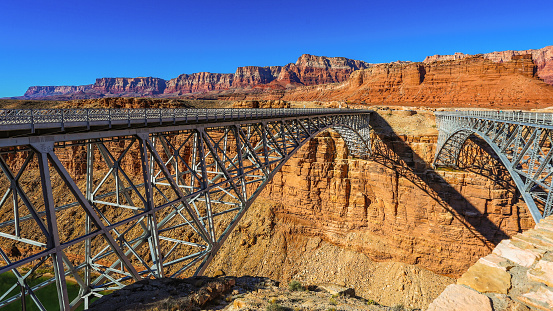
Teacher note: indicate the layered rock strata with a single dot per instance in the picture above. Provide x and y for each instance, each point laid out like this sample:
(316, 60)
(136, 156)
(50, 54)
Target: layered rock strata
(199, 82)
(308, 70)
(542, 57)
(521, 79)
(249, 76)
(141, 85)
(470, 80)
(43, 91)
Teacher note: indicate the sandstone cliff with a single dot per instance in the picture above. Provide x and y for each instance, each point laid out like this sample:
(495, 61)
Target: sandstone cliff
(468, 81)
(542, 57)
(520, 79)
(199, 82)
(308, 70)
(314, 70)
(249, 76)
(141, 85)
(43, 91)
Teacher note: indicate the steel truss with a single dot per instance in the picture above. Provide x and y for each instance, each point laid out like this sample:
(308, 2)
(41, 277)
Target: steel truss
(113, 206)
(521, 140)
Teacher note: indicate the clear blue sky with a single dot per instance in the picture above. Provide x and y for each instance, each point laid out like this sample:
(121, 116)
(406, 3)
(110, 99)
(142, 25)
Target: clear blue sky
(74, 42)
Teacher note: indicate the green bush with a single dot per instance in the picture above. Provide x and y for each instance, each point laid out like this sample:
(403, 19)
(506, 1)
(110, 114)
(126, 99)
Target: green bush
(295, 286)
(371, 302)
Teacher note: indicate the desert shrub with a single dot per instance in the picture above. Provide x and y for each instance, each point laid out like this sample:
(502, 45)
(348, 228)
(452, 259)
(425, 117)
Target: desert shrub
(295, 286)
(371, 302)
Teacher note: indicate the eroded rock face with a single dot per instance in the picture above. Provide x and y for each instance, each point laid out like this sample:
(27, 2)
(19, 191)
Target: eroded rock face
(443, 221)
(249, 76)
(266, 245)
(199, 82)
(499, 79)
(146, 86)
(142, 86)
(307, 60)
(41, 91)
(542, 57)
(314, 70)
(308, 70)
(473, 79)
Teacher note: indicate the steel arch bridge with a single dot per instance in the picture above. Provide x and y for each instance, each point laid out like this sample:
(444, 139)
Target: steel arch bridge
(110, 196)
(521, 140)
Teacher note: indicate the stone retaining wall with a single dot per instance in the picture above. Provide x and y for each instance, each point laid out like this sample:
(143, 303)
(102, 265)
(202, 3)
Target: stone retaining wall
(517, 275)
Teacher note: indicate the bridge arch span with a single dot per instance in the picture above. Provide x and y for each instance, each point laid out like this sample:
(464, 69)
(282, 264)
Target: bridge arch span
(146, 193)
(522, 141)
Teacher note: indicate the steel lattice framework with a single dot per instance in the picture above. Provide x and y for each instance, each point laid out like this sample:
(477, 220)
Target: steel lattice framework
(521, 140)
(108, 197)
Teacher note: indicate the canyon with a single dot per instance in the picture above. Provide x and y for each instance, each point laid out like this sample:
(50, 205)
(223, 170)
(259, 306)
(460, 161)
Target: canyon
(392, 228)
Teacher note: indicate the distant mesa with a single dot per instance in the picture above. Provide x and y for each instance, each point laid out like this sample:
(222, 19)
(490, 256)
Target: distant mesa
(543, 58)
(498, 78)
(308, 70)
(443, 80)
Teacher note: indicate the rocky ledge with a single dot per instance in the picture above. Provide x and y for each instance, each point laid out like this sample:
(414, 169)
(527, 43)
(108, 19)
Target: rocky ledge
(234, 294)
(517, 275)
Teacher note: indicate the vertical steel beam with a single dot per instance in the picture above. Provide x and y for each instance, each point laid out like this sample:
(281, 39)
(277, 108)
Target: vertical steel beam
(153, 235)
(88, 251)
(43, 149)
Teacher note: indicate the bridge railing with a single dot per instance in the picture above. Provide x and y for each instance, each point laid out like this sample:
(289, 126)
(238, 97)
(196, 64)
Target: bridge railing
(64, 117)
(509, 115)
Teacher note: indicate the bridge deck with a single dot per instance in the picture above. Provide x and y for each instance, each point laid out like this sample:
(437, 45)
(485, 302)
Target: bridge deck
(37, 121)
(512, 116)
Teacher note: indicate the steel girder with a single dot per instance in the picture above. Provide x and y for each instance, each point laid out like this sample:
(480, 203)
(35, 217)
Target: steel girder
(108, 208)
(522, 141)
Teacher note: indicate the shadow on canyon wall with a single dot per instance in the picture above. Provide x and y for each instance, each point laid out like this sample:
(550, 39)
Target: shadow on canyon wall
(391, 151)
